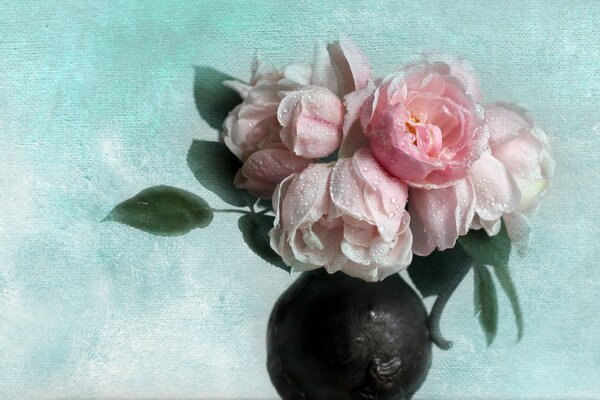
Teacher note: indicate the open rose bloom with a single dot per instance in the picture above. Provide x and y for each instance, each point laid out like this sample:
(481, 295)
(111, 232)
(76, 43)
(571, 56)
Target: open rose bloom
(365, 172)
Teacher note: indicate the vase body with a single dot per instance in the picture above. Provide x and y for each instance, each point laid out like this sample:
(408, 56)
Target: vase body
(336, 337)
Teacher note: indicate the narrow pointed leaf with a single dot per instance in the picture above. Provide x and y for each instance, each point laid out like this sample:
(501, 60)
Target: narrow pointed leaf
(486, 302)
(508, 286)
(255, 230)
(163, 210)
(486, 250)
(214, 166)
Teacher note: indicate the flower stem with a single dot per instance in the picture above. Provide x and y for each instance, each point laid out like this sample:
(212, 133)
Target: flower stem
(230, 210)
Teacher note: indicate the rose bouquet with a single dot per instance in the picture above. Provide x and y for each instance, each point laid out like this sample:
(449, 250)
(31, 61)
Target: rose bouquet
(363, 177)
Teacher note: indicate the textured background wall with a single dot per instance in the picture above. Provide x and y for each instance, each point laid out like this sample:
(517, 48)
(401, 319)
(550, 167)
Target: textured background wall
(96, 103)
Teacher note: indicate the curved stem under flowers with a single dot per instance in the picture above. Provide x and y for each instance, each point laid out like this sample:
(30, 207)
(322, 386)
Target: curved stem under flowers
(435, 315)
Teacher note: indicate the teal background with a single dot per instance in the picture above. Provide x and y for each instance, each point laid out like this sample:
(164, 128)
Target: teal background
(96, 103)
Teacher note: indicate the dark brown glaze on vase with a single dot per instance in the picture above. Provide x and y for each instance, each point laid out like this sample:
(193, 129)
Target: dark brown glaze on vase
(334, 337)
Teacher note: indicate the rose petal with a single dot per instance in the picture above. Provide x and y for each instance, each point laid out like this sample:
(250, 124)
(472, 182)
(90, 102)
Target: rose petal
(298, 73)
(353, 135)
(367, 273)
(312, 122)
(253, 123)
(265, 169)
(384, 195)
(505, 122)
(521, 156)
(278, 235)
(240, 88)
(439, 216)
(307, 198)
(351, 65)
(399, 251)
(496, 191)
(323, 73)
(319, 244)
(460, 69)
(347, 192)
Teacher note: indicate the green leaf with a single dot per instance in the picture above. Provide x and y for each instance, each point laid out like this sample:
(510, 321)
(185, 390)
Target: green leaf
(434, 273)
(486, 250)
(255, 229)
(214, 166)
(213, 99)
(486, 302)
(266, 204)
(507, 285)
(163, 210)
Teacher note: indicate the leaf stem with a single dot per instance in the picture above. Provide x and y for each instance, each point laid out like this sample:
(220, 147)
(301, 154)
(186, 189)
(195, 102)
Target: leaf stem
(230, 210)
(435, 315)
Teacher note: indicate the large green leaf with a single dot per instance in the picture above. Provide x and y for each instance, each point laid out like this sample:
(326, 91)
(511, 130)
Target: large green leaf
(507, 285)
(486, 302)
(487, 250)
(255, 229)
(213, 99)
(163, 210)
(434, 273)
(214, 166)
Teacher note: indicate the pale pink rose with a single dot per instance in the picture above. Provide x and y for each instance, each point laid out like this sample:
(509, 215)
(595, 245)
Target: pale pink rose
(422, 123)
(506, 183)
(440, 216)
(302, 122)
(523, 149)
(349, 216)
(303, 94)
(253, 124)
(286, 109)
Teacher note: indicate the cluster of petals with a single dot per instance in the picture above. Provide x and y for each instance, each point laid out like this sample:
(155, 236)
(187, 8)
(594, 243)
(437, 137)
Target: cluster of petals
(420, 161)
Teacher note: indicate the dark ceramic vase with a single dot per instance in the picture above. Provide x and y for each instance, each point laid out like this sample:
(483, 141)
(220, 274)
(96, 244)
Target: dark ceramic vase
(334, 337)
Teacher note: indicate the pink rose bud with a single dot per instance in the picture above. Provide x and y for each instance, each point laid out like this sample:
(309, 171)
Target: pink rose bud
(266, 168)
(311, 120)
(350, 217)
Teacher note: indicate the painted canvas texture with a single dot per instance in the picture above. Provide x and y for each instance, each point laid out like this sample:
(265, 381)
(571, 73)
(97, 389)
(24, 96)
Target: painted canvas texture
(97, 103)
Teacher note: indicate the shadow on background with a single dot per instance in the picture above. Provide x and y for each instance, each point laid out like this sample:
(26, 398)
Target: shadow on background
(213, 99)
(211, 162)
